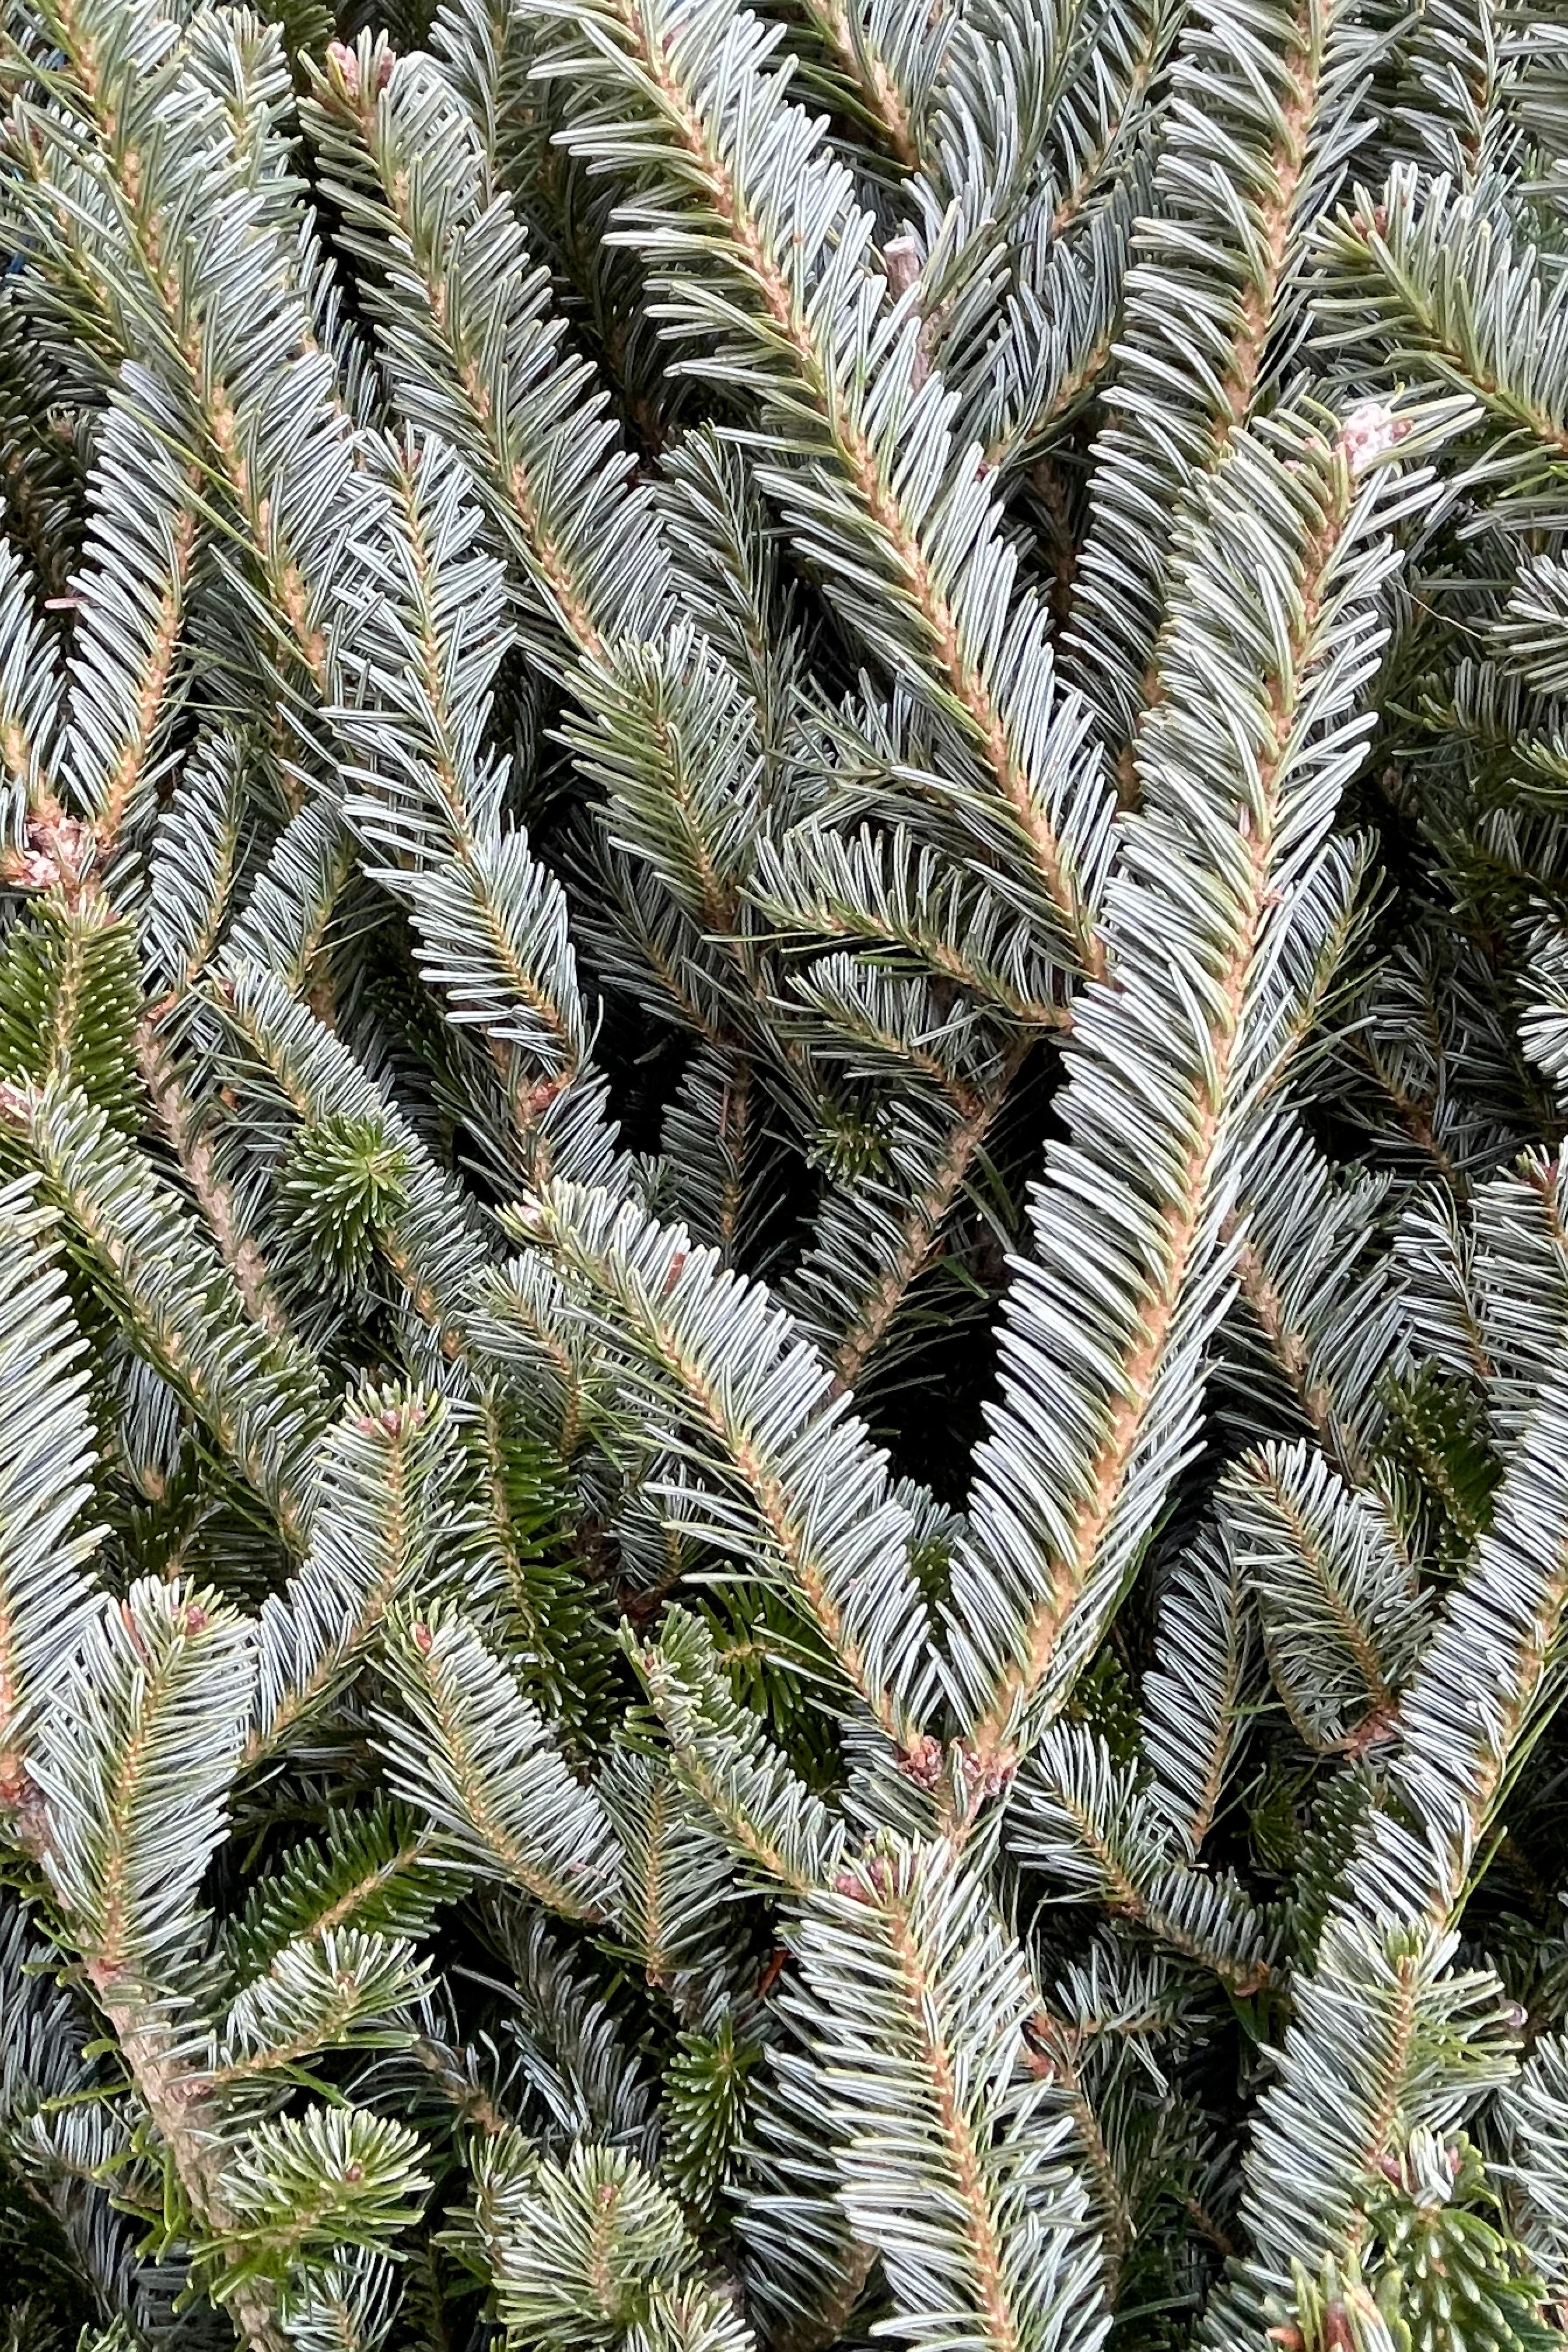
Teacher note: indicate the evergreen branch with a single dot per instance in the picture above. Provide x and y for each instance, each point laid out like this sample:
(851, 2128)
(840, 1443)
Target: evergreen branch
(385, 1479)
(1260, 124)
(308, 2185)
(192, 1142)
(1429, 284)
(546, 1603)
(1106, 1326)
(1387, 2038)
(131, 597)
(1058, 338)
(891, 897)
(582, 2078)
(1199, 1686)
(950, 2164)
(195, 862)
(520, 1319)
(339, 1989)
(163, 155)
(46, 1449)
(29, 714)
(135, 1761)
(729, 581)
(899, 519)
(1324, 1303)
(776, 1830)
(58, 2137)
(375, 1868)
(805, 2273)
(1110, 107)
(1383, 2014)
(473, 1754)
(791, 1484)
(1459, 79)
(670, 737)
(1344, 1624)
(718, 1165)
(1543, 1029)
(426, 800)
(597, 2249)
(876, 1236)
(884, 64)
(1089, 1826)
(1532, 2110)
(1533, 635)
(1483, 1689)
(69, 996)
(427, 1236)
(261, 1399)
(677, 1879)
(474, 354)
(284, 928)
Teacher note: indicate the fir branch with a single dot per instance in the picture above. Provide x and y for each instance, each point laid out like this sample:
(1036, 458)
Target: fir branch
(950, 2166)
(883, 63)
(262, 1398)
(1130, 1284)
(676, 1880)
(46, 1455)
(1385, 2012)
(428, 1237)
(226, 334)
(877, 1237)
(190, 1140)
(1199, 1688)
(138, 1755)
(385, 1478)
(1089, 1827)
(597, 2247)
(426, 800)
(795, 1487)
(1324, 1303)
(1260, 122)
(803, 325)
(480, 1759)
(29, 717)
(1429, 284)
(143, 541)
(1344, 1624)
(775, 1829)
(474, 352)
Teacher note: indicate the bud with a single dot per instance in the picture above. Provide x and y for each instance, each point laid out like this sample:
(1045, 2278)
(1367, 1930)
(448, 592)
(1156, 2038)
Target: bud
(902, 260)
(29, 869)
(1370, 432)
(921, 1762)
(675, 1266)
(528, 1215)
(342, 68)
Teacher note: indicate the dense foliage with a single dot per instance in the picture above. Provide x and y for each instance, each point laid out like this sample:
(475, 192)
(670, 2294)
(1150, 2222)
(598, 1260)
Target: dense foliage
(783, 1244)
